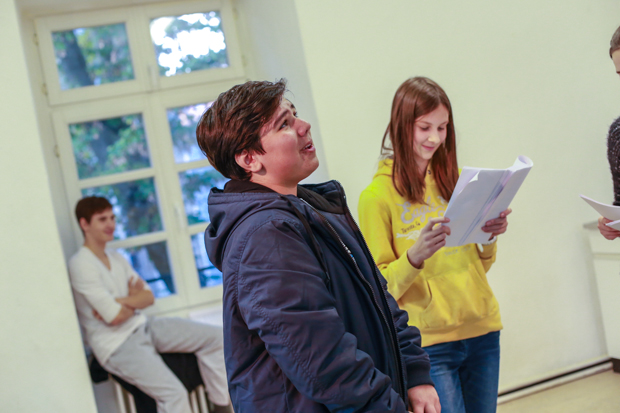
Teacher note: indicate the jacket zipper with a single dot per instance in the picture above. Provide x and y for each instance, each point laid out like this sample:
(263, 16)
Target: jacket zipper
(400, 384)
(391, 326)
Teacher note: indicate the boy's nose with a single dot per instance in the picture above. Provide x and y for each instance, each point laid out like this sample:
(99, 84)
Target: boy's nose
(303, 127)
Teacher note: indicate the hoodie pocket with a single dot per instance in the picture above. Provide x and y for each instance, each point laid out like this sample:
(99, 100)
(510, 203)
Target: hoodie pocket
(457, 298)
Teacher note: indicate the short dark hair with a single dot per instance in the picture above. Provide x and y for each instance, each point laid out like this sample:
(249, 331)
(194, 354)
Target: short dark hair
(89, 206)
(614, 44)
(234, 122)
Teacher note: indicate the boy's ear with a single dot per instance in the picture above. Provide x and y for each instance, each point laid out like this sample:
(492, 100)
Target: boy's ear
(249, 161)
(83, 223)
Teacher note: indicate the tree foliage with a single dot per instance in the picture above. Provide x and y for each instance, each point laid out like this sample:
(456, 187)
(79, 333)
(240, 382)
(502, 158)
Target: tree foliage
(180, 33)
(92, 56)
(109, 146)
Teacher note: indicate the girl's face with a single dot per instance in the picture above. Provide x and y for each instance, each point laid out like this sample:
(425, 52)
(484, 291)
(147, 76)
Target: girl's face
(429, 131)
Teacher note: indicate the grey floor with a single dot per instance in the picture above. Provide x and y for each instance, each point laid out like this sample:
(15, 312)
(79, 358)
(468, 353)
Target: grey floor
(595, 394)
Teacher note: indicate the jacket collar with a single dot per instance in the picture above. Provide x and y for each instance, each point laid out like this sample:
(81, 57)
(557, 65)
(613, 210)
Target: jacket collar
(235, 186)
(331, 203)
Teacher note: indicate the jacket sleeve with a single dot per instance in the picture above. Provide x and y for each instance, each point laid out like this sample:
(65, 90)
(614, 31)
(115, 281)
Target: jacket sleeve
(416, 360)
(283, 297)
(613, 156)
(487, 255)
(376, 225)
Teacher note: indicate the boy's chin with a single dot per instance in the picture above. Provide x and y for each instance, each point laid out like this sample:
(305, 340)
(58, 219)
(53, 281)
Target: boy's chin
(310, 171)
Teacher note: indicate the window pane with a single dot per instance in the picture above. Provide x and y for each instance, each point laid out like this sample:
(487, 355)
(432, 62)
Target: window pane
(108, 146)
(208, 275)
(92, 56)
(134, 204)
(152, 263)
(183, 122)
(196, 185)
(190, 42)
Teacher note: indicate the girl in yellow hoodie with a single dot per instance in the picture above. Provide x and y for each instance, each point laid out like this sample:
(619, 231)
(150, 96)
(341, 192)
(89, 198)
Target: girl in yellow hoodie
(444, 290)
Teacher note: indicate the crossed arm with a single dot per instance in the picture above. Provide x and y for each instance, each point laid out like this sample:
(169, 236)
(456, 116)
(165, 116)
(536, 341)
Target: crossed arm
(137, 299)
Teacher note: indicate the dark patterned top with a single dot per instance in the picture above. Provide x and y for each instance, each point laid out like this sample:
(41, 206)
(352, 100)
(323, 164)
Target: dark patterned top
(613, 155)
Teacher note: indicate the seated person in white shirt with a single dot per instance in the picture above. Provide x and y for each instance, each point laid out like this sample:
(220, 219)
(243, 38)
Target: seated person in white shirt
(109, 295)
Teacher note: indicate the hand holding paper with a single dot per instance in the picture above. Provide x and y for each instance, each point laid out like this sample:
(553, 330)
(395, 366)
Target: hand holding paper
(432, 237)
(609, 223)
(607, 231)
(481, 195)
(497, 226)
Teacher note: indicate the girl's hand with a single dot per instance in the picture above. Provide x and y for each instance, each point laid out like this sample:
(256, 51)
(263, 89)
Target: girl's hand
(498, 225)
(607, 232)
(430, 240)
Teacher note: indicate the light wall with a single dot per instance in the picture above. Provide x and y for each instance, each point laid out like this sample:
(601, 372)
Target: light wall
(278, 53)
(268, 55)
(527, 77)
(43, 363)
(524, 78)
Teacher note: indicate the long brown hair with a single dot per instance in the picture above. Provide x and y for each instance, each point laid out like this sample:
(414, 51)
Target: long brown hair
(417, 97)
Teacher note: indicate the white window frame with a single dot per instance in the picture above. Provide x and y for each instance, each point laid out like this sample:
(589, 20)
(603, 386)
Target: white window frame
(45, 26)
(235, 61)
(151, 100)
(146, 70)
(161, 102)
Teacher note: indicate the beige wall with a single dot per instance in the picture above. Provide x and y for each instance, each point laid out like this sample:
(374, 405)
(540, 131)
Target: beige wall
(278, 53)
(526, 77)
(43, 364)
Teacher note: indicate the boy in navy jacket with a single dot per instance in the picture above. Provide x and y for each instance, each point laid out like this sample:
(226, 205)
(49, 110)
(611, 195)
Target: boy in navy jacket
(308, 323)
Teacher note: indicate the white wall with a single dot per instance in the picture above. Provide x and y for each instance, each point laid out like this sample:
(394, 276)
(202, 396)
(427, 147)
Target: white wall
(43, 364)
(525, 77)
(274, 50)
(269, 56)
(529, 78)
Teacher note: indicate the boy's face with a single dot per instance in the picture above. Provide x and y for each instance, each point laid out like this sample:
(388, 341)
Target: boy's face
(290, 155)
(615, 57)
(101, 226)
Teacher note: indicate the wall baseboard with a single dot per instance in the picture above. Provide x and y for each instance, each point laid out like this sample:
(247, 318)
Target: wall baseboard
(557, 380)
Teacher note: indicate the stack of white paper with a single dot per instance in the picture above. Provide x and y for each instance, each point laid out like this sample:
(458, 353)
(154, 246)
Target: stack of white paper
(608, 211)
(479, 196)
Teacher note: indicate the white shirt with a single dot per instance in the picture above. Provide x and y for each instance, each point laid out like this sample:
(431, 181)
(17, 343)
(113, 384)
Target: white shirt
(95, 287)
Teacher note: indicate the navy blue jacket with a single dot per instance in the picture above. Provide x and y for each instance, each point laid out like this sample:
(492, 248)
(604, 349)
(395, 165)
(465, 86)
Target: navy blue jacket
(308, 323)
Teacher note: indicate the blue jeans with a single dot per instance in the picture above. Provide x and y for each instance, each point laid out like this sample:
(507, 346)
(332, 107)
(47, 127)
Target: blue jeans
(466, 374)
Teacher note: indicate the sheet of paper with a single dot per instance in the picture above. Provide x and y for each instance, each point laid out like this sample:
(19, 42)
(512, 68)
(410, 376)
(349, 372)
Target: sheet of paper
(480, 195)
(614, 225)
(608, 211)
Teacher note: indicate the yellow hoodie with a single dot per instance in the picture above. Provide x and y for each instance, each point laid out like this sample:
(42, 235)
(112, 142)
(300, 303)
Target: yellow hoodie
(448, 299)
